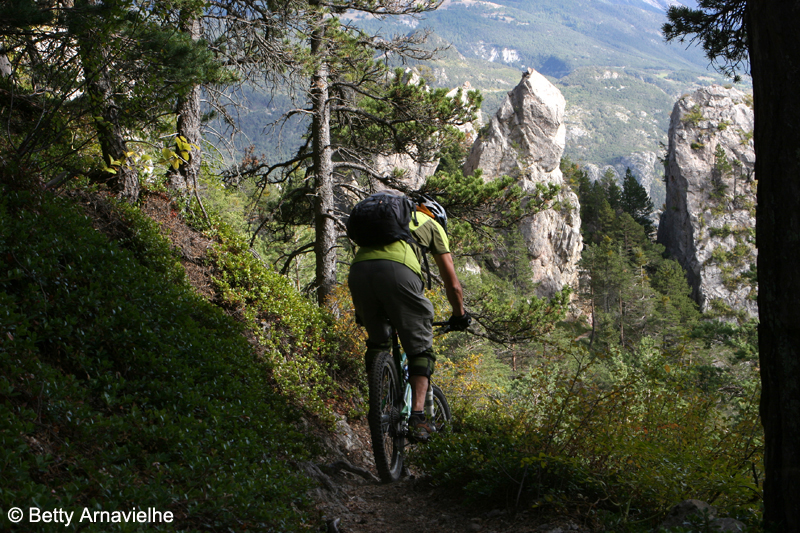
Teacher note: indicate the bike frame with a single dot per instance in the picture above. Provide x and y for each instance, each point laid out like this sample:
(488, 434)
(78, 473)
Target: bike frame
(401, 363)
(390, 397)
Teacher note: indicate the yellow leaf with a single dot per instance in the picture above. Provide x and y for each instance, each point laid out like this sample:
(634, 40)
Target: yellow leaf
(176, 164)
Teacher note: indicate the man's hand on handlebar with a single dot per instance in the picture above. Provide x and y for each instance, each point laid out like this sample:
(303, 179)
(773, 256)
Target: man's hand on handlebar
(459, 323)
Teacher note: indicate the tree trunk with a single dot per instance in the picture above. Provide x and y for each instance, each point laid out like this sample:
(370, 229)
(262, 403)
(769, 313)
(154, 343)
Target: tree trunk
(95, 60)
(109, 132)
(775, 59)
(324, 223)
(188, 111)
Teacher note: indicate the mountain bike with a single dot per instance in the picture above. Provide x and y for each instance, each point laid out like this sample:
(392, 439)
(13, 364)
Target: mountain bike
(390, 407)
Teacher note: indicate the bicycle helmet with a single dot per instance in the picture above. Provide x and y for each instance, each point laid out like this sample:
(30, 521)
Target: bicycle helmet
(439, 214)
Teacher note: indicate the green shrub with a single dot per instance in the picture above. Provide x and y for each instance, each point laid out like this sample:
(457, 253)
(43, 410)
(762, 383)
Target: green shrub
(694, 116)
(120, 387)
(303, 346)
(620, 436)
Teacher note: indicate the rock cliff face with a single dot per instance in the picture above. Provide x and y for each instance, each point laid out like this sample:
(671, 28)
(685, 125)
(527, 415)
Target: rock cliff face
(708, 224)
(525, 139)
(415, 174)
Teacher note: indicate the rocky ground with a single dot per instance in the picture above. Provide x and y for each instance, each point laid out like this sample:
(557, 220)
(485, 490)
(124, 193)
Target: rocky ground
(412, 505)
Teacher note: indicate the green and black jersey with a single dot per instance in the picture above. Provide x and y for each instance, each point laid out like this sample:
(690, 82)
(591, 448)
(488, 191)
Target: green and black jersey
(425, 230)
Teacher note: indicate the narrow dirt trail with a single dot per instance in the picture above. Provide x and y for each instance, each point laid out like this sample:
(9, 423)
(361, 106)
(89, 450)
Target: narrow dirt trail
(353, 503)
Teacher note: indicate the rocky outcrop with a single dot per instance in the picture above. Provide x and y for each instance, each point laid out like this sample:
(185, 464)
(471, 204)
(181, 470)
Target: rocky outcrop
(595, 172)
(525, 139)
(643, 166)
(708, 224)
(468, 129)
(414, 173)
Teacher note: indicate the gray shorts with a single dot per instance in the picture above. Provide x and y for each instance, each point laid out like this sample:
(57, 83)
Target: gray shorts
(387, 291)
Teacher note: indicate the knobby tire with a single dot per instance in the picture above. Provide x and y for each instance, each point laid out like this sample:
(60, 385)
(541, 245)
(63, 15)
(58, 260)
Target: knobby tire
(441, 409)
(385, 402)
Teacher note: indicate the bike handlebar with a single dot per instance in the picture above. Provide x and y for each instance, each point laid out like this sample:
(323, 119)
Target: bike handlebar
(444, 327)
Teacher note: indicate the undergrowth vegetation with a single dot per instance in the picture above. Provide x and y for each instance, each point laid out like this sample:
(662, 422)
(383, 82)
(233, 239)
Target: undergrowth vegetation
(121, 387)
(315, 360)
(615, 416)
(614, 438)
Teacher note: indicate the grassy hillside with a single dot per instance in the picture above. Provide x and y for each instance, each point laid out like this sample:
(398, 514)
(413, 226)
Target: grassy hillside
(612, 112)
(121, 386)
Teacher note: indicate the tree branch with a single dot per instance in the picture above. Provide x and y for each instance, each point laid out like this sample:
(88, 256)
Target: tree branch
(306, 248)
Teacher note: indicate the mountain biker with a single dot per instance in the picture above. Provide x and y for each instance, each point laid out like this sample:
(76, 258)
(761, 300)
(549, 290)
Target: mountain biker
(386, 284)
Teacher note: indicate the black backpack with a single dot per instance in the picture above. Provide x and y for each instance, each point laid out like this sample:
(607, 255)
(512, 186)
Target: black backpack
(382, 219)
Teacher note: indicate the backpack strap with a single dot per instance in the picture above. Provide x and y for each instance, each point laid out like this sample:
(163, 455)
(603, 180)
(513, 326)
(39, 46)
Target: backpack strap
(425, 260)
(424, 208)
(414, 242)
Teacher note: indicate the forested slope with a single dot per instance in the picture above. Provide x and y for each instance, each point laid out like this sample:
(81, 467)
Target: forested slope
(164, 365)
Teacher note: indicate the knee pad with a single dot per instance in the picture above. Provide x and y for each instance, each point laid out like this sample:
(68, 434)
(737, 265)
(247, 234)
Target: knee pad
(422, 364)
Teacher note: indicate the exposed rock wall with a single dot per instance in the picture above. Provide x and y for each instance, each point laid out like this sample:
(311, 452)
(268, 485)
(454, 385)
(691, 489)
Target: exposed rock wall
(708, 224)
(415, 174)
(525, 139)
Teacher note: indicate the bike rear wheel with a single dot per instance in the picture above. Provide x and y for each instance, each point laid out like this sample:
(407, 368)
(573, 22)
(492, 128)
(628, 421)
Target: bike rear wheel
(441, 409)
(385, 404)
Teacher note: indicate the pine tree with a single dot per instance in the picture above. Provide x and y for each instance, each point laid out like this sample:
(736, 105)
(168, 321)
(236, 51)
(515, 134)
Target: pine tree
(675, 312)
(109, 68)
(636, 202)
(359, 108)
(613, 192)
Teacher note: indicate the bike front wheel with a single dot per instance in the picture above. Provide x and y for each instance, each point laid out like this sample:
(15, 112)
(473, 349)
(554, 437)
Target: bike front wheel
(385, 420)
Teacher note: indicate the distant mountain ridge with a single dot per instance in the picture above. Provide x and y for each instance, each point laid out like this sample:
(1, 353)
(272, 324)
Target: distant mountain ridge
(555, 36)
(608, 57)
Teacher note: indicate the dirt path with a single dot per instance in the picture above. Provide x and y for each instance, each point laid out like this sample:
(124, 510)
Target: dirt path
(412, 504)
